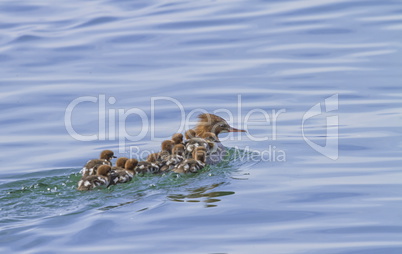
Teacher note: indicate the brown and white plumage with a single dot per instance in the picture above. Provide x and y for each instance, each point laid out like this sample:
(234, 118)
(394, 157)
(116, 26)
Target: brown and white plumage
(212, 141)
(120, 163)
(100, 179)
(174, 159)
(126, 174)
(210, 123)
(192, 144)
(164, 154)
(153, 157)
(189, 134)
(144, 167)
(177, 138)
(192, 165)
(91, 166)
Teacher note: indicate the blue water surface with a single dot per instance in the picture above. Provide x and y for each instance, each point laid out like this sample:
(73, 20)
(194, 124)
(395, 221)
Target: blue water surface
(138, 70)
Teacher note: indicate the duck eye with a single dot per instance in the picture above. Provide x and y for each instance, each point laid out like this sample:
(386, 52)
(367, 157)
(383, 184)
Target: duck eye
(222, 125)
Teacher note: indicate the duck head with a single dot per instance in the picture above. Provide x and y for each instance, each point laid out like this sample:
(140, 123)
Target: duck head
(167, 145)
(104, 170)
(107, 155)
(189, 134)
(131, 164)
(152, 157)
(213, 123)
(177, 138)
(121, 162)
(178, 149)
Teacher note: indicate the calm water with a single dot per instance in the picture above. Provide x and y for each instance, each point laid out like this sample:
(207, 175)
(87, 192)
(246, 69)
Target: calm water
(279, 57)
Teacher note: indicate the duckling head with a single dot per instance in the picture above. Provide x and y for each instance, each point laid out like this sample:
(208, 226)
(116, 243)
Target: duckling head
(177, 138)
(167, 145)
(189, 134)
(152, 157)
(131, 164)
(209, 136)
(104, 170)
(121, 162)
(178, 149)
(107, 155)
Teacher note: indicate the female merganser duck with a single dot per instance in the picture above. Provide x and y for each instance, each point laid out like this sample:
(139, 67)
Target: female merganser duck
(92, 165)
(100, 179)
(215, 124)
(174, 159)
(125, 174)
(193, 165)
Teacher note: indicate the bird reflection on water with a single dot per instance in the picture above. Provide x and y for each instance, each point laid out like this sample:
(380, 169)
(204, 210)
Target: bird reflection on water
(201, 194)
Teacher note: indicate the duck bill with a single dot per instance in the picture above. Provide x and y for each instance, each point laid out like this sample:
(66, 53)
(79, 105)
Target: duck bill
(231, 129)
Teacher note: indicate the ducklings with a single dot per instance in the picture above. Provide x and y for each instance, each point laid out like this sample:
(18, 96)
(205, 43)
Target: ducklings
(144, 167)
(126, 174)
(192, 165)
(102, 178)
(177, 138)
(176, 155)
(91, 166)
(174, 159)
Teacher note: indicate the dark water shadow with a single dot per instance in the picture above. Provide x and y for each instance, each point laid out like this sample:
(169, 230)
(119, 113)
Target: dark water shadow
(201, 194)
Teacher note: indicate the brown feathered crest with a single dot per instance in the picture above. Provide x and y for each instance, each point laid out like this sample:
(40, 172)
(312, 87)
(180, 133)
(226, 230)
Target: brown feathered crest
(208, 123)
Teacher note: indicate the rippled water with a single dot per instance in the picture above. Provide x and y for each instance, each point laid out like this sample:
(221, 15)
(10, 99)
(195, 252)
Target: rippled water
(276, 56)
